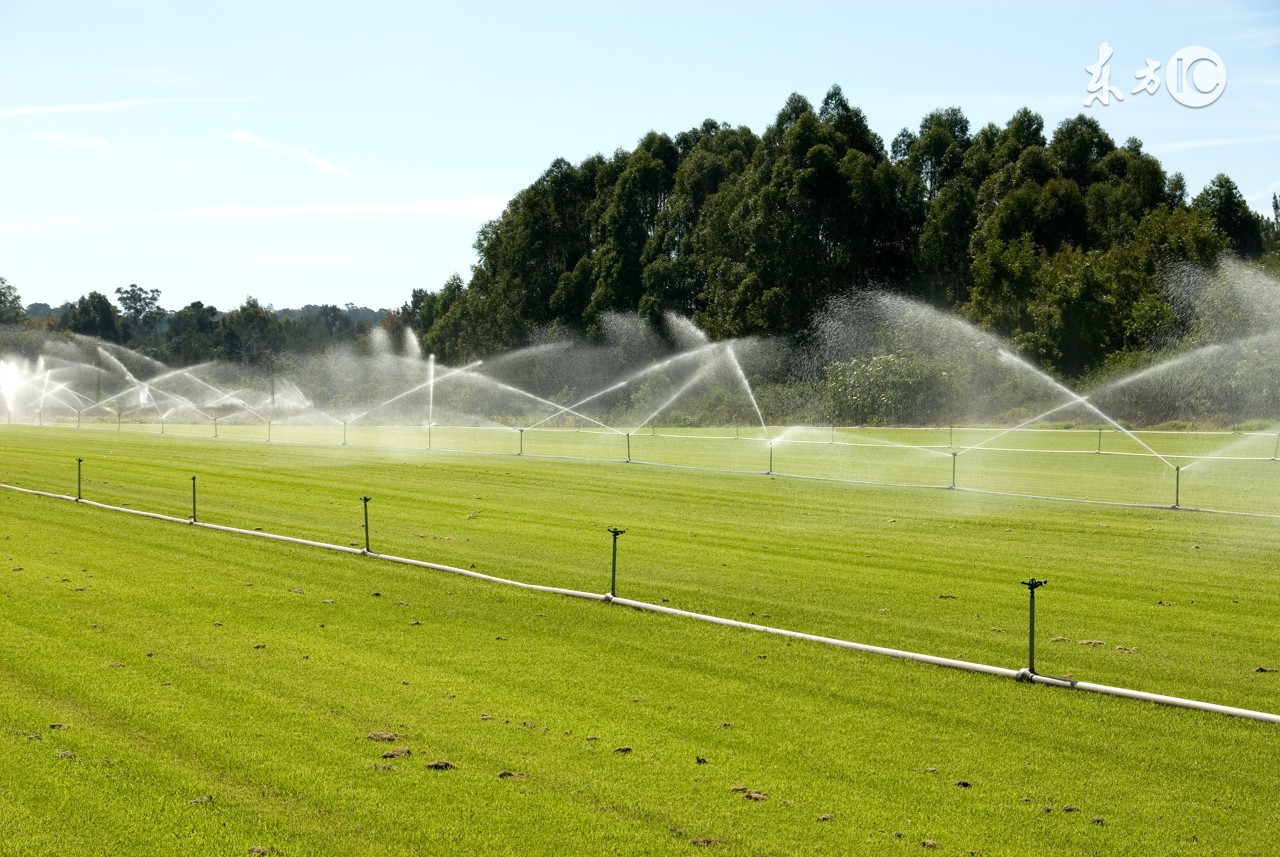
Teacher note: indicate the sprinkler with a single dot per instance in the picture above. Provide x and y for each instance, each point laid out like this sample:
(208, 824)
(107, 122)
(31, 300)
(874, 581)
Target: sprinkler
(193, 499)
(366, 523)
(1099, 440)
(521, 452)
(268, 429)
(78, 462)
(215, 426)
(1032, 585)
(1276, 451)
(117, 420)
(344, 432)
(628, 446)
(1177, 485)
(954, 456)
(951, 436)
(78, 418)
(429, 434)
(770, 470)
(613, 576)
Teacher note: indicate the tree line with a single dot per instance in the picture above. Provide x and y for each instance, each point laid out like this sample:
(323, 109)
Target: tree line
(251, 333)
(1057, 243)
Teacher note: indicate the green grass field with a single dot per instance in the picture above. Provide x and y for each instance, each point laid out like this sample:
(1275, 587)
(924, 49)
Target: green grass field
(234, 686)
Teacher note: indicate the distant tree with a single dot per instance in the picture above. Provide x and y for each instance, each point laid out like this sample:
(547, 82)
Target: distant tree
(189, 335)
(142, 309)
(1222, 200)
(11, 311)
(249, 334)
(95, 315)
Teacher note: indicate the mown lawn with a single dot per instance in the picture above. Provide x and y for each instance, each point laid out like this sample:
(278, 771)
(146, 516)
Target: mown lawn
(276, 734)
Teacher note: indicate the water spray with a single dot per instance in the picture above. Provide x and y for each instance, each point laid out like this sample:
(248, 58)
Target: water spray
(1032, 585)
(366, 500)
(613, 575)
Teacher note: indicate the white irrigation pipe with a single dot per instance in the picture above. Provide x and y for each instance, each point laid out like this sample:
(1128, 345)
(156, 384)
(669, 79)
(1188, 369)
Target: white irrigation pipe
(1020, 675)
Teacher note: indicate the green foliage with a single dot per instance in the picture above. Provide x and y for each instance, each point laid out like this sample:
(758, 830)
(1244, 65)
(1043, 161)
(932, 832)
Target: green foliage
(11, 311)
(887, 389)
(249, 334)
(95, 315)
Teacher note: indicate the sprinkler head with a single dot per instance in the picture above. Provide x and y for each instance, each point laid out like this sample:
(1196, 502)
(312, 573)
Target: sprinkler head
(1034, 584)
(616, 532)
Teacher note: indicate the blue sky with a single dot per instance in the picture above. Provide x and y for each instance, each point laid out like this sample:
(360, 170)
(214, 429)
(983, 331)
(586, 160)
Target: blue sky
(348, 152)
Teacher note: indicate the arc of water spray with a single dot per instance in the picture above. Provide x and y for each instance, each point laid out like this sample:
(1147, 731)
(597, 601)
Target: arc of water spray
(698, 376)
(429, 385)
(742, 376)
(510, 389)
(653, 367)
(1076, 399)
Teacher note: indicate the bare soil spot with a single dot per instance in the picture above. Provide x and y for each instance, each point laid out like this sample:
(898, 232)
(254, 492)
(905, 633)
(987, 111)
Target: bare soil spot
(622, 750)
(700, 759)
(1071, 808)
(946, 597)
(1128, 650)
(260, 646)
(505, 775)
(964, 784)
(726, 726)
(1266, 670)
(705, 841)
(1094, 643)
(66, 754)
(1060, 640)
(397, 753)
(59, 726)
(297, 591)
(381, 736)
(201, 799)
(441, 765)
(929, 843)
(258, 849)
(116, 664)
(486, 716)
(1097, 819)
(826, 816)
(756, 795)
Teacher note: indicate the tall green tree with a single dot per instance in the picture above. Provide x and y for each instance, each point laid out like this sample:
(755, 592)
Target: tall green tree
(10, 304)
(249, 334)
(94, 315)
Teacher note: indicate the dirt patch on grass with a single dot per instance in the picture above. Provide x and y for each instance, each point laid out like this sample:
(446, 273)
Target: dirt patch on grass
(397, 753)
(441, 765)
(381, 736)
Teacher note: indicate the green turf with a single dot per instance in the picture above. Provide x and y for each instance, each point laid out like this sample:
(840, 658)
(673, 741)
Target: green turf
(276, 734)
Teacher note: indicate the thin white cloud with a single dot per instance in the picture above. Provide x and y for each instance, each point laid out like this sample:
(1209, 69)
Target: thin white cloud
(438, 210)
(295, 152)
(70, 141)
(1213, 142)
(466, 210)
(109, 105)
